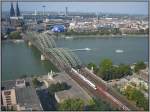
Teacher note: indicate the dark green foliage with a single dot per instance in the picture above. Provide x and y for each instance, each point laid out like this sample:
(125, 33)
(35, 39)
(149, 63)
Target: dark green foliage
(147, 31)
(97, 104)
(139, 65)
(143, 102)
(36, 82)
(107, 71)
(115, 31)
(71, 105)
(90, 65)
(124, 70)
(137, 96)
(58, 87)
(15, 35)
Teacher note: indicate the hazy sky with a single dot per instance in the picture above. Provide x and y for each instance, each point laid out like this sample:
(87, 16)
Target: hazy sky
(109, 7)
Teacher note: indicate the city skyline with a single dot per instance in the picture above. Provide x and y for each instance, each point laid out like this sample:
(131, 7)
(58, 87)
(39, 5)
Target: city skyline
(97, 7)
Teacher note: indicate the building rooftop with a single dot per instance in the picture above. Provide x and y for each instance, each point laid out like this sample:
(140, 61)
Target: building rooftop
(74, 92)
(8, 84)
(27, 97)
(20, 81)
(63, 95)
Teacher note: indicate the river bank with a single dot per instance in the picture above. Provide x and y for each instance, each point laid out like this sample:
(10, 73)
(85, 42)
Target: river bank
(14, 40)
(98, 36)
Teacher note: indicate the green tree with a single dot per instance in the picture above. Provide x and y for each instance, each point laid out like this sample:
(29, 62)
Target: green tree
(147, 31)
(96, 104)
(108, 71)
(137, 96)
(115, 31)
(141, 31)
(36, 82)
(15, 35)
(124, 70)
(144, 103)
(71, 105)
(105, 69)
(139, 65)
(58, 87)
(90, 65)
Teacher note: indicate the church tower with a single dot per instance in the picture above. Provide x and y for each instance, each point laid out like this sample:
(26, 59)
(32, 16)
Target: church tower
(17, 10)
(12, 11)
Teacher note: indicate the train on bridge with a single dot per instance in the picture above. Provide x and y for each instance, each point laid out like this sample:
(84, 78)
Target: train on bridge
(101, 91)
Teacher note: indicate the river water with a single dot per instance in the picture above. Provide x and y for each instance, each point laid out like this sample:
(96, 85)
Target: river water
(18, 59)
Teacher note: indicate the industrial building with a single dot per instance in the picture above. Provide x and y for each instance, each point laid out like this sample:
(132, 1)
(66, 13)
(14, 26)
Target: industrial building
(18, 95)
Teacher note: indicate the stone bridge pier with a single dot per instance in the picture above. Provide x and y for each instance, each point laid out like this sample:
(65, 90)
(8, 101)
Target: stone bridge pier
(29, 43)
(43, 57)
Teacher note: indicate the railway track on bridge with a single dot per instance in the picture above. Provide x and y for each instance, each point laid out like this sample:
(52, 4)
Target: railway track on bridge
(92, 77)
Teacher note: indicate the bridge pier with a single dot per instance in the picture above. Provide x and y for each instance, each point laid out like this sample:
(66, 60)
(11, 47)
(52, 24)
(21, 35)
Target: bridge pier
(29, 43)
(92, 69)
(43, 57)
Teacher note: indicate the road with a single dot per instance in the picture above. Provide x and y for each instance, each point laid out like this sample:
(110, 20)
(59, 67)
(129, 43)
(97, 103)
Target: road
(48, 102)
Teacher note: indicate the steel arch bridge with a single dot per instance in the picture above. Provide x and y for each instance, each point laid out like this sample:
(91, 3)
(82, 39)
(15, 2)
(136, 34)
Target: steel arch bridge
(62, 58)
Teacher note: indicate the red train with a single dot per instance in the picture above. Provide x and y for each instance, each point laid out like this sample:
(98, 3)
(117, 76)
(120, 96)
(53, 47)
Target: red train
(102, 90)
(115, 101)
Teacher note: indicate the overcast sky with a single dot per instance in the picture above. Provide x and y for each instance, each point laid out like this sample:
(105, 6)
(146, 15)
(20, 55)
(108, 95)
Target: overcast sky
(108, 7)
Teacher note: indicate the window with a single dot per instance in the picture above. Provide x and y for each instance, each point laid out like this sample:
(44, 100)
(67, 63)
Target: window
(7, 92)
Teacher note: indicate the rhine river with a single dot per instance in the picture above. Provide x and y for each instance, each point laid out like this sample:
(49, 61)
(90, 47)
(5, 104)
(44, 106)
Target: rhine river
(18, 59)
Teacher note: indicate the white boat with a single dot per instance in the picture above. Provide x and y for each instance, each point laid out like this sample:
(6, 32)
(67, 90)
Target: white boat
(119, 51)
(18, 41)
(68, 37)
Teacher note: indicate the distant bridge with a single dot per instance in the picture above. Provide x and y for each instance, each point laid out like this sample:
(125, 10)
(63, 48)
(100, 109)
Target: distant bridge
(62, 58)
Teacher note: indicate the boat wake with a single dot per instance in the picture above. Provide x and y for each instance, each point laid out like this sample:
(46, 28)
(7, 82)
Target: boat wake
(84, 49)
(119, 51)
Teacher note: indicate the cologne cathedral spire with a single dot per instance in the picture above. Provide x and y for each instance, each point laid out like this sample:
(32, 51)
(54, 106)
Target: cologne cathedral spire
(12, 11)
(17, 10)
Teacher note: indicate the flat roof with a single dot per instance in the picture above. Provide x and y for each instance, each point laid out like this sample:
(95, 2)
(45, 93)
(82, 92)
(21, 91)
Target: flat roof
(27, 97)
(8, 84)
(20, 81)
(74, 92)
(63, 95)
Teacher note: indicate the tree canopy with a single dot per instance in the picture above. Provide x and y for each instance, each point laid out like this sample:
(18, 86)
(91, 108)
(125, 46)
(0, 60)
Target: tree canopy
(137, 96)
(97, 104)
(36, 82)
(108, 71)
(90, 65)
(124, 70)
(139, 65)
(15, 35)
(71, 105)
(58, 87)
